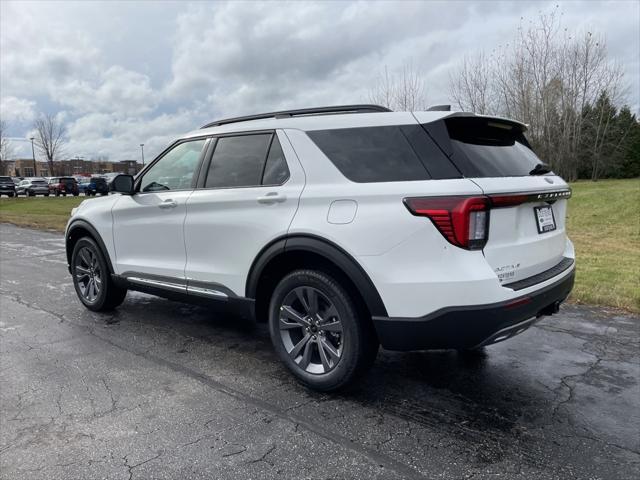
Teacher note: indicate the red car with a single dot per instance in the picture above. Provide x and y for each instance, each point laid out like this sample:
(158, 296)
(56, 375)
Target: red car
(64, 186)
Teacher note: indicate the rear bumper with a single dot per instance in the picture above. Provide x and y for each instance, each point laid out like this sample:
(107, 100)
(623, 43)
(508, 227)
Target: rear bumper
(472, 326)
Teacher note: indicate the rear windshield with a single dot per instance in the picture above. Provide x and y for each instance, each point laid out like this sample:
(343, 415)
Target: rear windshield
(489, 148)
(384, 154)
(6, 179)
(38, 182)
(67, 179)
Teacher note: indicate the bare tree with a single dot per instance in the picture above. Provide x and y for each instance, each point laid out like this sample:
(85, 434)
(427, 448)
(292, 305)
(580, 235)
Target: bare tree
(470, 86)
(402, 91)
(5, 146)
(50, 132)
(546, 78)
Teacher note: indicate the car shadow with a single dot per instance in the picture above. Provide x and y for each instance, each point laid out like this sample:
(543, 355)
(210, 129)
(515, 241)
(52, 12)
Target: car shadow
(477, 397)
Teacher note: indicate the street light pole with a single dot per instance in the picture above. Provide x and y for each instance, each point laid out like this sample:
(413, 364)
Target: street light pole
(142, 150)
(33, 152)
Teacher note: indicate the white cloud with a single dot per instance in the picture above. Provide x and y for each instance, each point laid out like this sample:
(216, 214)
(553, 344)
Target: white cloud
(14, 109)
(118, 91)
(108, 134)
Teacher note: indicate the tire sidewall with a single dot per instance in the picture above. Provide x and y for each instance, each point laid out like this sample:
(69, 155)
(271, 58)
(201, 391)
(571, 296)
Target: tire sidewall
(351, 339)
(102, 296)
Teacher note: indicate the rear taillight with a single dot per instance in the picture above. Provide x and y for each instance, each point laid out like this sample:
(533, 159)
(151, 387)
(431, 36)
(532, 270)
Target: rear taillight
(464, 221)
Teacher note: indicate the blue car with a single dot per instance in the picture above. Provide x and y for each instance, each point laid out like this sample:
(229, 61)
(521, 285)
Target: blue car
(83, 186)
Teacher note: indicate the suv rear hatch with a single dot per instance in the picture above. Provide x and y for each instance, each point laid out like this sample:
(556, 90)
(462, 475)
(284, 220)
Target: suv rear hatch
(68, 184)
(527, 203)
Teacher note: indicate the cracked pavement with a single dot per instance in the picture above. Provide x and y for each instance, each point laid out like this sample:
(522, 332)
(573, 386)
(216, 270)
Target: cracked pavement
(159, 389)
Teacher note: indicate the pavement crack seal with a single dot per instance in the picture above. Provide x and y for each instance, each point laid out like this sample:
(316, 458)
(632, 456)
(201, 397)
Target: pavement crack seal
(382, 460)
(263, 457)
(131, 467)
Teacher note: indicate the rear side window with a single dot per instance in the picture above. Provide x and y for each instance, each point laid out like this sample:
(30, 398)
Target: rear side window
(489, 148)
(384, 154)
(247, 161)
(371, 154)
(276, 171)
(238, 161)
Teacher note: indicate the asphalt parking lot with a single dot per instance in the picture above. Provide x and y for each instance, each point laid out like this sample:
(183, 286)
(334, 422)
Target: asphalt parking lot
(159, 389)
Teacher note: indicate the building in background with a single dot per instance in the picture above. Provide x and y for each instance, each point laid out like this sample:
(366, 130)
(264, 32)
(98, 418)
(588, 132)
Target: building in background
(23, 167)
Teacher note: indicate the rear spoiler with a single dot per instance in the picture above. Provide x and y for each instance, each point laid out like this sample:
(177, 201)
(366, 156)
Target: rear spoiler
(435, 115)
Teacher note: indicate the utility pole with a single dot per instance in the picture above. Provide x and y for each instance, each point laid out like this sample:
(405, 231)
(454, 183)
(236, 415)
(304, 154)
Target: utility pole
(33, 152)
(142, 151)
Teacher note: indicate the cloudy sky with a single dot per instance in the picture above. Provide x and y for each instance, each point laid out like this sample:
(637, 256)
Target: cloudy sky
(125, 73)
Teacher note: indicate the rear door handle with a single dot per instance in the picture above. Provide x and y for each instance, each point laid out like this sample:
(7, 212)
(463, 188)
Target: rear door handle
(272, 197)
(168, 204)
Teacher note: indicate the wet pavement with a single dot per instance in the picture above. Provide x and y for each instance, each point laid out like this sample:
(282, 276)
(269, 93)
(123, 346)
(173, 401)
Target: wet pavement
(159, 389)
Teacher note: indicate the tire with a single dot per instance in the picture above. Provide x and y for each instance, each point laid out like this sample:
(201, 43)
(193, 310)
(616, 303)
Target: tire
(32, 194)
(46, 194)
(76, 194)
(57, 193)
(88, 264)
(349, 346)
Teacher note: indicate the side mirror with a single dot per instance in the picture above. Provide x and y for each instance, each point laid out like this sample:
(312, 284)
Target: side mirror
(122, 184)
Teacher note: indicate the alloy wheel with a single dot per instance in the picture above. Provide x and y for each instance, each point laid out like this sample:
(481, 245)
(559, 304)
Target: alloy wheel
(311, 330)
(88, 274)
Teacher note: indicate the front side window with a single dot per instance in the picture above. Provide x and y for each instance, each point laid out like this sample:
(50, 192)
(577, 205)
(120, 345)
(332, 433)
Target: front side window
(238, 161)
(175, 170)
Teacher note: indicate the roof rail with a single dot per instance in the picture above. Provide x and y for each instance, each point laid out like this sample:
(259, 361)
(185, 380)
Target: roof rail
(301, 112)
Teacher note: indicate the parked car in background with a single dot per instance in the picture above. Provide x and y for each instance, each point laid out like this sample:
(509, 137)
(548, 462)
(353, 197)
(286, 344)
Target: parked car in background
(32, 187)
(97, 185)
(7, 187)
(63, 186)
(17, 180)
(83, 185)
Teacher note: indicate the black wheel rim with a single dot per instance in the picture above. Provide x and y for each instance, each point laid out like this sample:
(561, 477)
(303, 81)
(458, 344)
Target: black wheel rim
(88, 274)
(311, 330)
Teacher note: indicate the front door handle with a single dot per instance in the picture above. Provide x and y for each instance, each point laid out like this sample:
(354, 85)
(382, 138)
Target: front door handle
(168, 204)
(272, 197)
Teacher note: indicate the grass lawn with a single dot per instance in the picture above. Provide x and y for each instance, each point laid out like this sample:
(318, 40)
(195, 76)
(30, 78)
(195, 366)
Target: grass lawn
(604, 224)
(46, 213)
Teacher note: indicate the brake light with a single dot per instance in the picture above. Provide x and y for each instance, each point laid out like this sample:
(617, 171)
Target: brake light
(463, 221)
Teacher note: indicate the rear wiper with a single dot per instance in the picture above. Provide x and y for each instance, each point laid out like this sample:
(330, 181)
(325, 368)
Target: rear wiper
(540, 169)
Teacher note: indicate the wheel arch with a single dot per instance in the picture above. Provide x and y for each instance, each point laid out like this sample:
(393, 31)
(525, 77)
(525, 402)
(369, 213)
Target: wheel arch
(81, 228)
(308, 251)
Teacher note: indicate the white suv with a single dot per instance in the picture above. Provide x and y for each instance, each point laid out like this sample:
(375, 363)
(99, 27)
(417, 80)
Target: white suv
(344, 228)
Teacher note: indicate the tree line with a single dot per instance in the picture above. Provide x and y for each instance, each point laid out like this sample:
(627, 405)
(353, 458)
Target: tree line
(561, 83)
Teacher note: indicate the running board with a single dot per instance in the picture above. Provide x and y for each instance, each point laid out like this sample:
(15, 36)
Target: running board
(201, 289)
